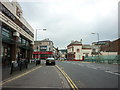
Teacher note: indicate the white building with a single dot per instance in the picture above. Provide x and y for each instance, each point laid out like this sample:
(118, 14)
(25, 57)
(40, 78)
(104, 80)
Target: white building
(77, 51)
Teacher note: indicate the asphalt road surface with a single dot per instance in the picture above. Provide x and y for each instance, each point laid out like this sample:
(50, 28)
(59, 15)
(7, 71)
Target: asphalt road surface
(83, 75)
(41, 76)
(91, 75)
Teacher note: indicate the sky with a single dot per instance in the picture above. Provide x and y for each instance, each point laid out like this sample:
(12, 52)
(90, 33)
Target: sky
(67, 20)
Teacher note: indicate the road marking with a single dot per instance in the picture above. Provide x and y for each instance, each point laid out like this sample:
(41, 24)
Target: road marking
(95, 68)
(11, 79)
(112, 73)
(74, 87)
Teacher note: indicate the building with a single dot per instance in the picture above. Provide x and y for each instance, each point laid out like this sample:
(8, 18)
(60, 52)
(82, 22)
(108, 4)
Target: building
(56, 54)
(112, 46)
(17, 35)
(101, 42)
(43, 49)
(77, 51)
(63, 54)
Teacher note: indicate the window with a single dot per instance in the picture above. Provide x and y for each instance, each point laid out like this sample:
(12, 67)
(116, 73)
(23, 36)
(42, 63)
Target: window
(27, 42)
(43, 47)
(72, 49)
(24, 41)
(86, 55)
(94, 50)
(43, 50)
(5, 32)
(78, 50)
(20, 39)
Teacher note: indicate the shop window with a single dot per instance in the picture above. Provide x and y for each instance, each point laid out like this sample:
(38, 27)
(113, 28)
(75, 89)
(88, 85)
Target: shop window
(27, 43)
(23, 41)
(5, 32)
(20, 39)
(43, 50)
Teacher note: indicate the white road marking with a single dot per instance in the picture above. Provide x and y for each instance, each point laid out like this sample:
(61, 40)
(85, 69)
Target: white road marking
(112, 73)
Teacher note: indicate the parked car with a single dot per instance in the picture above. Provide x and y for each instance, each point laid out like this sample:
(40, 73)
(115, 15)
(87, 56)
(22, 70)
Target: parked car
(50, 61)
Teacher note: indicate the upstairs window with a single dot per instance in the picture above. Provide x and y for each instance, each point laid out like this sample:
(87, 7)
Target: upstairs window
(78, 50)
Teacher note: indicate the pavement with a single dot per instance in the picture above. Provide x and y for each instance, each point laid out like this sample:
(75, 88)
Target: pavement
(41, 77)
(5, 71)
(83, 74)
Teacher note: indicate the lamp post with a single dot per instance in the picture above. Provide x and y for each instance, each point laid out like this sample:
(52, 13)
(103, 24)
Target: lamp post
(36, 32)
(97, 36)
(97, 42)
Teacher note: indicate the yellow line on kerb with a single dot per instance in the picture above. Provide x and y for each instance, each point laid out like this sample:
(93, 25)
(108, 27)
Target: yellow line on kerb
(9, 80)
(68, 79)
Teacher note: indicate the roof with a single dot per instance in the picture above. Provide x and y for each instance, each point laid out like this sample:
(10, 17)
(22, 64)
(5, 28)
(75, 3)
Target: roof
(44, 40)
(101, 42)
(63, 50)
(75, 43)
(86, 46)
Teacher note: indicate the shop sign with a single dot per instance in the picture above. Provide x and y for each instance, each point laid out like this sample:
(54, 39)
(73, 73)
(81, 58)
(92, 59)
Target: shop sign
(42, 53)
(14, 19)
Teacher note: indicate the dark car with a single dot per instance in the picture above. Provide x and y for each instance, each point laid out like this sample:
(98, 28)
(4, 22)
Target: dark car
(50, 61)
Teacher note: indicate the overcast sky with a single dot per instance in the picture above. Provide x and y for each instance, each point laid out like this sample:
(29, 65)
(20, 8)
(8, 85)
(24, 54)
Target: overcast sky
(67, 20)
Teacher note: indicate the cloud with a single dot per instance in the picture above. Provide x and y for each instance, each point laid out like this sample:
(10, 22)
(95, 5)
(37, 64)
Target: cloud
(73, 20)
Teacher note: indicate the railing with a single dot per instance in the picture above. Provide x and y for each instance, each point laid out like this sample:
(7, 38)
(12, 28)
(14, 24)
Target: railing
(110, 59)
(18, 65)
(22, 64)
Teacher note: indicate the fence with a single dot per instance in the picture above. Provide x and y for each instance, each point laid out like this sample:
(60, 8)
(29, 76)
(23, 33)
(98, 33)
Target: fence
(110, 59)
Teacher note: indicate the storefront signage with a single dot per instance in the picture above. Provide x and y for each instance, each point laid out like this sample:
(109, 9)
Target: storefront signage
(42, 53)
(14, 19)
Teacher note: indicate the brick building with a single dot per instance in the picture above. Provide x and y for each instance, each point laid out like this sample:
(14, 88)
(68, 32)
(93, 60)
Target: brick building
(113, 46)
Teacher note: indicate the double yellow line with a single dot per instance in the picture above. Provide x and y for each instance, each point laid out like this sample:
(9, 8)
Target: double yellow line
(73, 86)
(11, 79)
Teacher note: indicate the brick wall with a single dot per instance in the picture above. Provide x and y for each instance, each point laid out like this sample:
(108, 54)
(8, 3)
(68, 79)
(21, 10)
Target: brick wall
(113, 46)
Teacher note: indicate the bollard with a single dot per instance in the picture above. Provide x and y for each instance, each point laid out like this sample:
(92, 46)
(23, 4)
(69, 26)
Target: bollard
(26, 64)
(20, 65)
(11, 71)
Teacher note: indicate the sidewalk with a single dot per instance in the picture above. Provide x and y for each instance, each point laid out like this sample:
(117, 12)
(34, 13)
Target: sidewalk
(6, 71)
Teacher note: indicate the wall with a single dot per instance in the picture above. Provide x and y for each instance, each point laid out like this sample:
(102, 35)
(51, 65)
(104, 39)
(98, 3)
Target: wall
(12, 8)
(108, 53)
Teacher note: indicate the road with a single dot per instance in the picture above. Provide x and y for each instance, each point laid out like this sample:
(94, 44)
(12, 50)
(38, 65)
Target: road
(39, 77)
(82, 74)
(91, 75)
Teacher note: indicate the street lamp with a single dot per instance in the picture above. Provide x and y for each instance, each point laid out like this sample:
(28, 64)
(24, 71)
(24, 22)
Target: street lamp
(98, 37)
(97, 42)
(36, 32)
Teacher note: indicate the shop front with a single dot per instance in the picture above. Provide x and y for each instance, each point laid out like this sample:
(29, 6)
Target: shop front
(42, 54)
(12, 44)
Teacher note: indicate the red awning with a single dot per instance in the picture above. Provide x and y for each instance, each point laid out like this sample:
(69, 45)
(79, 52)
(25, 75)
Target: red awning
(42, 52)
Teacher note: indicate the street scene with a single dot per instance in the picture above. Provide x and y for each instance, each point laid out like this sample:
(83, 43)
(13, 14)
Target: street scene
(59, 45)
